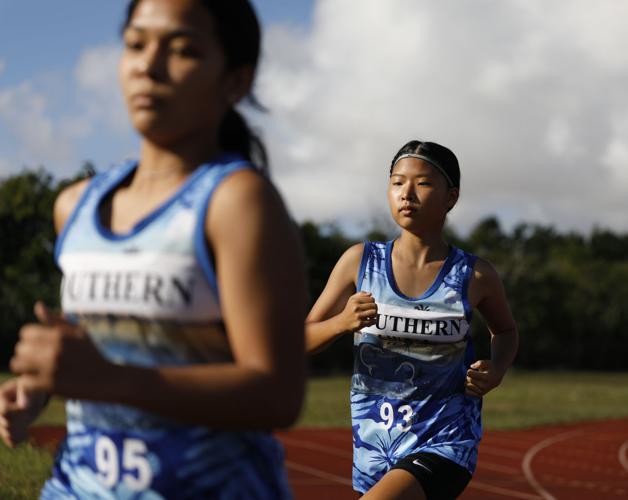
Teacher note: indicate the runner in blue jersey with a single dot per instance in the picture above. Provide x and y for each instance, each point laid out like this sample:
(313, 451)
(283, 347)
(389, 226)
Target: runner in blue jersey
(180, 346)
(417, 389)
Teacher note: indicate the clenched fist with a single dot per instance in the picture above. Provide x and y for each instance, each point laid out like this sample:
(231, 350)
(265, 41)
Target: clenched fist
(55, 356)
(360, 311)
(482, 377)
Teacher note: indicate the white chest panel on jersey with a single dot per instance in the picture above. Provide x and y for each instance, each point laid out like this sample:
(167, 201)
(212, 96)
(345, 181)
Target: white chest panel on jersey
(405, 323)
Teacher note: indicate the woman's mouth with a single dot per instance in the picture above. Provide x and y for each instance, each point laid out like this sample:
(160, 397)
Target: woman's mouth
(407, 210)
(145, 101)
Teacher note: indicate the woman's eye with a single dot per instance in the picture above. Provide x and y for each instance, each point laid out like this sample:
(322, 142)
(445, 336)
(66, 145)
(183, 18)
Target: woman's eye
(132, 40)
(184, 51)
(133, 45)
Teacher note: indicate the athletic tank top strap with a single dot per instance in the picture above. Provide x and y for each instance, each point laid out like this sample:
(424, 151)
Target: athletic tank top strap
(161, 268)
(443, 311)
(363, 263)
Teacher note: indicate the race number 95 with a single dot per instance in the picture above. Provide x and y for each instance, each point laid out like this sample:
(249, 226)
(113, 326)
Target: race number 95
(134, 469)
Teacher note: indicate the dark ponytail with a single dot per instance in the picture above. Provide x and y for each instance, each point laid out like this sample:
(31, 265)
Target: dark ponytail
(239, 32)
(235, 135)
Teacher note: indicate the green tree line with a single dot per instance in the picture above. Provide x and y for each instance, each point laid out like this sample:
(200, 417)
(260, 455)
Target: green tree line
(568, 291)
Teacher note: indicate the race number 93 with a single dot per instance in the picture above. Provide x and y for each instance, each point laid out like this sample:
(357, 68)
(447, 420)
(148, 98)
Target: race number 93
(387, 413)
(134, 469)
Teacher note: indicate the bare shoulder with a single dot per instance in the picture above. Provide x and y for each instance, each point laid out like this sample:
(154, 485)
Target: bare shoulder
(484, 271)
(66, 202)
(352, 256)
(484, 282)
(341, 284)
(244, 190)
(250, 200)
(345, 272)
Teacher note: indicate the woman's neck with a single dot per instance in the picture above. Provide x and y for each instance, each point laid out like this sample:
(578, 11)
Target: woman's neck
(159, 162)
(421, 249)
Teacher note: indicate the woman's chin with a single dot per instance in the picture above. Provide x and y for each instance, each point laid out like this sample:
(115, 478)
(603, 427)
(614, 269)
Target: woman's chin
(405, 222)
(156, 131)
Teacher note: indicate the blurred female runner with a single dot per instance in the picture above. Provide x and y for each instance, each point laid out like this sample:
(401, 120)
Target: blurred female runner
(181, 340)
(416, 388)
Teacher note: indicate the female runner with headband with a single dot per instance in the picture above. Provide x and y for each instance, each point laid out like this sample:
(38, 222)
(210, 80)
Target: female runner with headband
(417, 389)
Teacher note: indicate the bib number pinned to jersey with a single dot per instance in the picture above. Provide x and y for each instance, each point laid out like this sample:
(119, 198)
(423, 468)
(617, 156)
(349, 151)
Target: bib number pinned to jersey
(387, 413)
(134, 469)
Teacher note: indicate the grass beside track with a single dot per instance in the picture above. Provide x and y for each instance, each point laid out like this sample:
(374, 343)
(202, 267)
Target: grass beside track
(23, 472)
(525, 399)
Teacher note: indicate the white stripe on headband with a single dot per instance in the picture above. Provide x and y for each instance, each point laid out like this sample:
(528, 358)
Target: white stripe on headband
(430, 161)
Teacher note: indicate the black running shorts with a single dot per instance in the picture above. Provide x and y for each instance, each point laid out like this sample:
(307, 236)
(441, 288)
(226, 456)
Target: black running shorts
(440, 478)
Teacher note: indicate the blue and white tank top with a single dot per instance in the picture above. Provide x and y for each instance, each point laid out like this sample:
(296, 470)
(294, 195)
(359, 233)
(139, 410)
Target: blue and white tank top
(407, 389)
(150, 298)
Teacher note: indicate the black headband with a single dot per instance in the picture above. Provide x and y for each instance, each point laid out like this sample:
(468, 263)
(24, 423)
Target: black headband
(431, 162)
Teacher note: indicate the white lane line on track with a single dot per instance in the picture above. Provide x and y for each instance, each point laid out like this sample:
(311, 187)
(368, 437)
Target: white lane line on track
(526, 463)
(623, 455)
(499, 452)
(502, 491)
(336, 452)
(497, 440)
(318, 473)
(511, 471)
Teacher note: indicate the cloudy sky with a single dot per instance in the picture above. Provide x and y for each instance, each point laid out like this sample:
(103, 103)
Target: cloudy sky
(530, 94)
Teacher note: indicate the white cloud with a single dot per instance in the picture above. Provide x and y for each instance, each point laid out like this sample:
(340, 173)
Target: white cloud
(558, 136)
(97, 79)
(530, 94)
(43, 132)
(615, 156)
(24, 111)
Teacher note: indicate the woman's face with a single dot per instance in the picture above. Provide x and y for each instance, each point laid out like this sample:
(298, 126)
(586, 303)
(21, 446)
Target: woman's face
(418, 195)
(174, 74)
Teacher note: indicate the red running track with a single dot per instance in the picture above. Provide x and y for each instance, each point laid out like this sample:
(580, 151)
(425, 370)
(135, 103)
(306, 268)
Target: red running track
(571, 462)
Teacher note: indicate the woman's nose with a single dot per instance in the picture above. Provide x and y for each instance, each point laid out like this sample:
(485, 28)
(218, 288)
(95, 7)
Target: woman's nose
(407, 193)
(151, 62)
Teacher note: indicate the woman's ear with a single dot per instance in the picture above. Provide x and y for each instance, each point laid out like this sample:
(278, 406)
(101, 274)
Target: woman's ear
(452, 198)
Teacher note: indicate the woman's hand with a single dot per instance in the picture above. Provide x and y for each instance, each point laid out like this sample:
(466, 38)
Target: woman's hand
(360, 312)
(18, 410)
(486, 292)
(55, 356)
(482, 377)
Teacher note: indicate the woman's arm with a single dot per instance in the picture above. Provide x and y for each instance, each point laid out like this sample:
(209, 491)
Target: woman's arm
(339, 309)
(259, 268)
(20, 406)
(486, 293)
